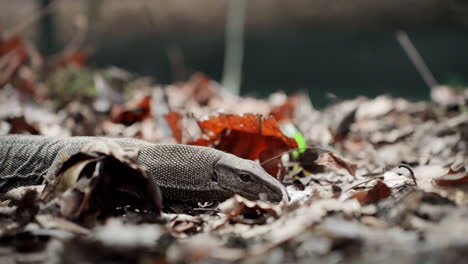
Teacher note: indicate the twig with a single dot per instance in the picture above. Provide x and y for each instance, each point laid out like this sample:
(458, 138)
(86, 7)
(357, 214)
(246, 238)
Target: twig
(416, 59)
(234, 45)
(30, 19)
(372, 174)
(292, 150)
(207, 209)
(176, 63)
(366, 181)
(175, 56)
(381, 177)
(411, 172)
(153, 24)
(73, 45)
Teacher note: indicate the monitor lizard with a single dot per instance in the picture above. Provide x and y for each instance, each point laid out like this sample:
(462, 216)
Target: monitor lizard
(183, 172)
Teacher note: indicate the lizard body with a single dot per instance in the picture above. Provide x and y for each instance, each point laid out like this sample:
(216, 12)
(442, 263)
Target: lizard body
(183, 172)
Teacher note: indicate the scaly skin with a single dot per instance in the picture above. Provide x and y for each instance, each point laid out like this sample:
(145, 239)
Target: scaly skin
(184, 173)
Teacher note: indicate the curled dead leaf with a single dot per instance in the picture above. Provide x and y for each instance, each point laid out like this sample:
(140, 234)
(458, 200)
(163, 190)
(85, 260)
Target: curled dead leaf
(457, 175)
(183, 225)
(344, 126)
(245, 211)
(94, 183)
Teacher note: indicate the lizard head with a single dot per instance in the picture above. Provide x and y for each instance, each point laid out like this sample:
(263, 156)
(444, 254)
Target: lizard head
(246, 178)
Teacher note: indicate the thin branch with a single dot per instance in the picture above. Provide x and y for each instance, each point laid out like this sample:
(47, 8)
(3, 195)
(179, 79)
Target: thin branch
(176, 63)
(292, 150)
(75, 43)
(175, 56)
(32, 18)
(82, 29)
(416, 59)
(411, 172)
(234, 45)
(361, 183)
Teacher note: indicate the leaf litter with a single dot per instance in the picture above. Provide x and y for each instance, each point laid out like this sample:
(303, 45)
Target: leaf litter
(351, 199)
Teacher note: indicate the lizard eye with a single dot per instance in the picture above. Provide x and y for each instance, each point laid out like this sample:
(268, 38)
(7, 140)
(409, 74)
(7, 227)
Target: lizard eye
(214, 177)
(244, 177)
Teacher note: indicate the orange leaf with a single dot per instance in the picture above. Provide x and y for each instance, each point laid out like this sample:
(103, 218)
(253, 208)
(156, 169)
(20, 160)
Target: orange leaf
(173, 119)
(132, 112)
(248, 136)
(378, 192)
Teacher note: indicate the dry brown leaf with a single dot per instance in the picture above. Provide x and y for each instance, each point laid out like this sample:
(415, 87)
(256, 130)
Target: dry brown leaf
(333, 162)
(378, 192)
(183, 226)
(457, 175)
(92, 185)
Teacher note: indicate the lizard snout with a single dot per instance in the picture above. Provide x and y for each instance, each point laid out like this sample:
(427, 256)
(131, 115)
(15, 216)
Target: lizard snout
(278, 192)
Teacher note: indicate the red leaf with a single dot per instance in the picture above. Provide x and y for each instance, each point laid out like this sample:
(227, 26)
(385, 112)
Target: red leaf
(333, 162)
(134, 111)
(173, 119)
(14, 44)
(77, 59)
(378, 192)
(248, 136)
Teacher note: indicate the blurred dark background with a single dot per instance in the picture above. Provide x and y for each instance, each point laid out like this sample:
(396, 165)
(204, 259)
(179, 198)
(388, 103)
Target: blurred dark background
(347, 48)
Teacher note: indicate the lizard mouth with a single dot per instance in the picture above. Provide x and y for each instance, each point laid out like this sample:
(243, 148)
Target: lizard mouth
(279, 197)
(274, 190)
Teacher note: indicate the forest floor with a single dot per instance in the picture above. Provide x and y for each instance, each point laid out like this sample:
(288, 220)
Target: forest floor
(370, 179)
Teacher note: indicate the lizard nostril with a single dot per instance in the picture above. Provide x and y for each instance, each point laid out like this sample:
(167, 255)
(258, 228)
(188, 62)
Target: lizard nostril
(214, 177)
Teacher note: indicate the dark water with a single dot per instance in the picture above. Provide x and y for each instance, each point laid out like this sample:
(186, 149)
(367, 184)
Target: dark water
(345, 63)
